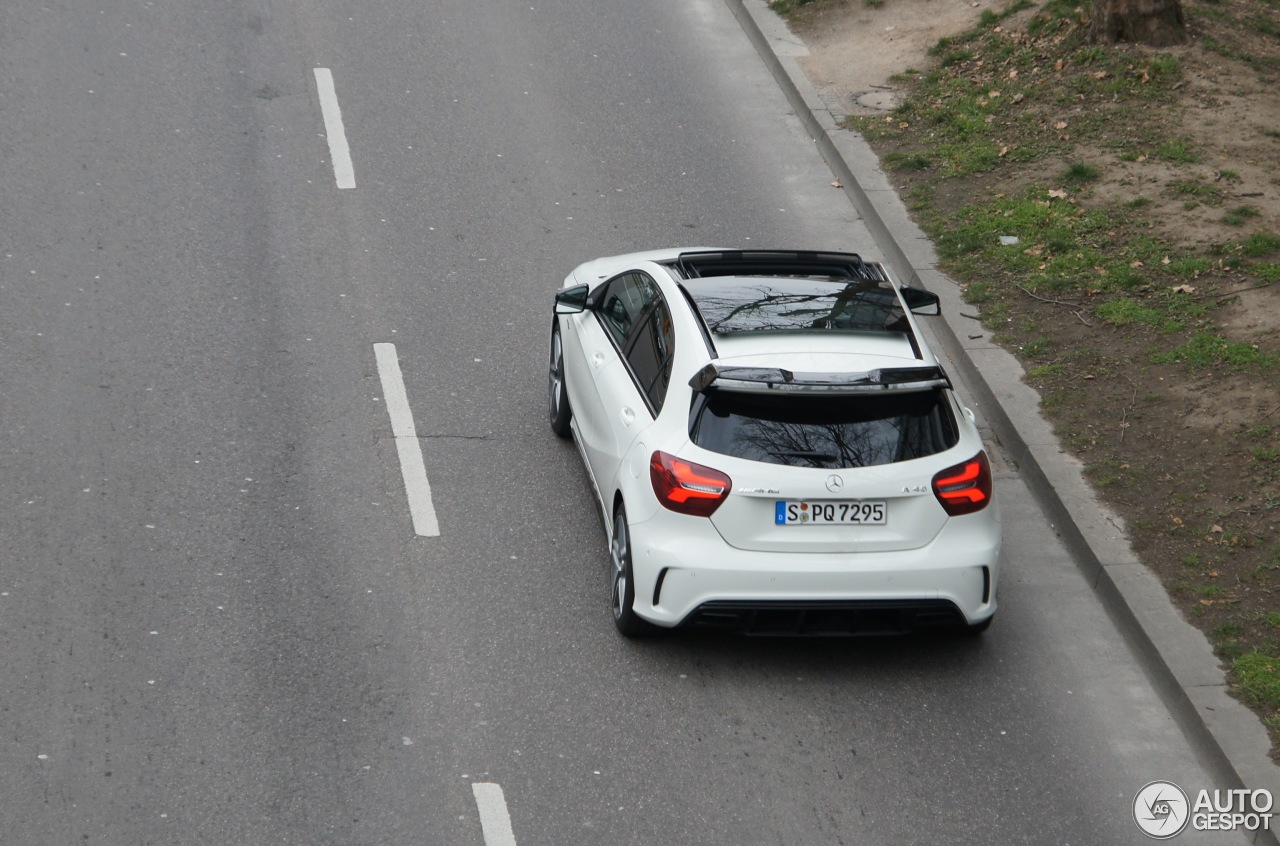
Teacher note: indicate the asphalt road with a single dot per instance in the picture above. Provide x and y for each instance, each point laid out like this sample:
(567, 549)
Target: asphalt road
(217, 624)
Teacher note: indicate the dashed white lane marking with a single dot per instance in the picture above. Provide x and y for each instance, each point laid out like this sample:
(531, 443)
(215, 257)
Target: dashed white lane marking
(495, 822)
(412, 467)
(343, 171)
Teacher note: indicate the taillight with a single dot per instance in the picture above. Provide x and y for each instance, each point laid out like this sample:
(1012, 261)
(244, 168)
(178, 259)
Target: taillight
(687, 487)
(965, 488)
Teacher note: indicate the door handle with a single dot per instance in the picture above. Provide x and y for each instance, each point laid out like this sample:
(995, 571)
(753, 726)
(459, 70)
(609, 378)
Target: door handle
(628, 416)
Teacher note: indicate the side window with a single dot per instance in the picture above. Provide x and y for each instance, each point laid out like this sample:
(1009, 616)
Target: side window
(651, 353)
(625, 297)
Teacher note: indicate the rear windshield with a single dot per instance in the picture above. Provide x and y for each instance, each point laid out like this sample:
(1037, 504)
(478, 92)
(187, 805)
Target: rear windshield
(828, 432)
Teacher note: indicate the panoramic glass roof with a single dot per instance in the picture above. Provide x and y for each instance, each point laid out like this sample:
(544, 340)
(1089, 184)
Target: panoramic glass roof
(736, 304)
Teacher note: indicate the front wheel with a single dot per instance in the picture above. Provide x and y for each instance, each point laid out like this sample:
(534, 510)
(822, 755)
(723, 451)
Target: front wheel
(557, 393)
(622, 587)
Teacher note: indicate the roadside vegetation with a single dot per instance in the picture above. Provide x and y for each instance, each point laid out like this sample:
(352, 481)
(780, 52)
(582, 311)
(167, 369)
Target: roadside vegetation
(1113, 213)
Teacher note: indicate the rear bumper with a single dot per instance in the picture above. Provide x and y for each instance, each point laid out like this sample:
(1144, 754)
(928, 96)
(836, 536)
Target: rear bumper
(827, 618)
(701, 581)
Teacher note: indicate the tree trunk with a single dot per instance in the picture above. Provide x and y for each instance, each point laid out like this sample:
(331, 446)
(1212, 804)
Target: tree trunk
(1159, 23)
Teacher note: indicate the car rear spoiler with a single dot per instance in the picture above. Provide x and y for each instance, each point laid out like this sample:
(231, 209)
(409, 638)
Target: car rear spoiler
(699, 263)
(768, 379)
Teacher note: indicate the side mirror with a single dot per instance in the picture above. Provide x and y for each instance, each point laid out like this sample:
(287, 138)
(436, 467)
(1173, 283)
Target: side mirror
(920, 301)
(572, 300)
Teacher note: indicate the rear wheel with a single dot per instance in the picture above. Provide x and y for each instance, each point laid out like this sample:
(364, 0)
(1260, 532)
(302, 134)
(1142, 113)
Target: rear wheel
(622, 588)
(557, 393)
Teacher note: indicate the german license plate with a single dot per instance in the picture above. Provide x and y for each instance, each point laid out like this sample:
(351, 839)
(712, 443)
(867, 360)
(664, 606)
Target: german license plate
(856, 512)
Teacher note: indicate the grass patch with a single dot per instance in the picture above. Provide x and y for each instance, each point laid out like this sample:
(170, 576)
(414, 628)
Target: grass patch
(1258, 245)
(1194, 188)
(1258, 676)
(906, 161)
(1239, 215)
(1177, 150)
(1037, 347)
(788, 8)
(1207, 349)
(1078, 172)
(1126, 312)
(1046, 371)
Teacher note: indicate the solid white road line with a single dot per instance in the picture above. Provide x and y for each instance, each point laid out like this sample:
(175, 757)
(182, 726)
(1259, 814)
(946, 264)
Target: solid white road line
(412, 468)
(495, 822)
(343, 171)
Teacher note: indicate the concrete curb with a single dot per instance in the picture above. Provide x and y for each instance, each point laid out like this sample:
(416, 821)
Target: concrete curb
(1229, 739)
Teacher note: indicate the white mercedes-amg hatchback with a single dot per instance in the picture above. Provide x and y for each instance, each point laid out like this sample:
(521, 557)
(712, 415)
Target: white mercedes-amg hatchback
(774, 448)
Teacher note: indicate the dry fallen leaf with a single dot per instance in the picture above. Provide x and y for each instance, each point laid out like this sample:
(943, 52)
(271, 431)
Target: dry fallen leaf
(1013, 74)
(837, 184)
(1206, 602)
(1057, 193)
(1141, 158)
(1062, 124)
(1136, 264)
(1217, 530)
(1184, 289)
(1002, 152)
(1058, 65)
(1100, 75)
(1165, 260)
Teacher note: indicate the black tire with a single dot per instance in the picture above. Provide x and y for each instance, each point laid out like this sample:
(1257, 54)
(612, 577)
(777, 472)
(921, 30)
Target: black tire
(559, 411)
(622, 587)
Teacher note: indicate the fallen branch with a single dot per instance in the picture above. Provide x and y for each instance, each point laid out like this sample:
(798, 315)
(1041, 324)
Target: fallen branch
(1221, 297)
(1124, 418)
(1045, 299)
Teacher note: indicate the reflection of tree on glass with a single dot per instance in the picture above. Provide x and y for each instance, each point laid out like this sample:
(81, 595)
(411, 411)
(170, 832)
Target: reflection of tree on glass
(828, 432)
(784, 304)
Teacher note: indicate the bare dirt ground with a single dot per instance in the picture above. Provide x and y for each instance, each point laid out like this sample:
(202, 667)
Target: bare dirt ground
(855, 48)
(1186, 452)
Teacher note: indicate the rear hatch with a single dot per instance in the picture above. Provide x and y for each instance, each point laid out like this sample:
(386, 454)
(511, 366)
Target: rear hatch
(826, 473)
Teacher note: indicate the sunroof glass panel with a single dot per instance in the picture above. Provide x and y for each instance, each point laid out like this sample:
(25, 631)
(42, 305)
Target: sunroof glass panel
(781, 304)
